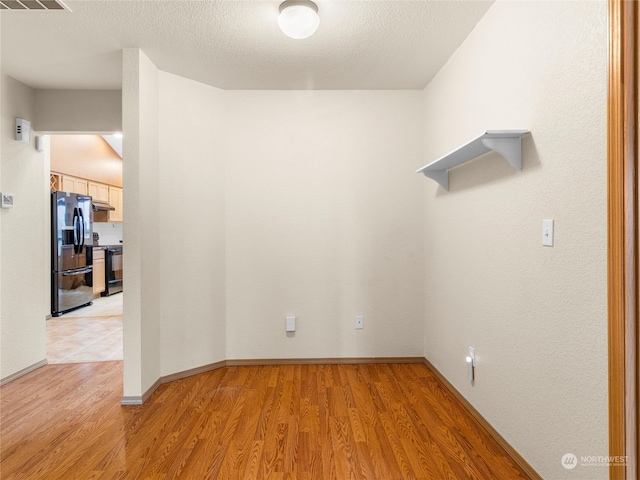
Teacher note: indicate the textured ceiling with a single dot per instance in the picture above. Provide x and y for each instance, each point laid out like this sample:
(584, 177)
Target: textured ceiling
(362, 44)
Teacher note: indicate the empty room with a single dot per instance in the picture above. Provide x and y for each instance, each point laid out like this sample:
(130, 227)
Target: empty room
(369, 246)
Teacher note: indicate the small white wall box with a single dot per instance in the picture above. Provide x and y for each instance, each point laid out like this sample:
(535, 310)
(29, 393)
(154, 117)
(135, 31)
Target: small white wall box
(290, 324)
(7, 200)
(23, 130)
(40, 144)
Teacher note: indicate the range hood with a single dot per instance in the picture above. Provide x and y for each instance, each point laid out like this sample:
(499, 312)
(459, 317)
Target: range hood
(99, 206)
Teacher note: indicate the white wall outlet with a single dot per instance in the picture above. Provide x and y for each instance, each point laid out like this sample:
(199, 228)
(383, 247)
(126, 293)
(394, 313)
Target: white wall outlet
(290, 324)
(359, 322)
(7, 200)
(547, 233)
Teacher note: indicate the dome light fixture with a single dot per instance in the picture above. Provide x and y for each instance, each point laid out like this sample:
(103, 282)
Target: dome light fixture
(298, 18)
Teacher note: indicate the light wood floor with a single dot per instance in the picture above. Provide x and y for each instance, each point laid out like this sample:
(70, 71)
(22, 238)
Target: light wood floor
(89, 334)
(273, 422)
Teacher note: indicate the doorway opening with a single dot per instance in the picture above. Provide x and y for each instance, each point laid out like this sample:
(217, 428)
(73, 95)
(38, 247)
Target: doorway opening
(88, 166)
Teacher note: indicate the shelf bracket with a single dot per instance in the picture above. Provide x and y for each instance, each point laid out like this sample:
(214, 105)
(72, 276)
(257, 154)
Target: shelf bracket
(440, 176)
(509, 147)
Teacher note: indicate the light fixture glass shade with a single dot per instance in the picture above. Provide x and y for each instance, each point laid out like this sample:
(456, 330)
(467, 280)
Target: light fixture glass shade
(298, 18)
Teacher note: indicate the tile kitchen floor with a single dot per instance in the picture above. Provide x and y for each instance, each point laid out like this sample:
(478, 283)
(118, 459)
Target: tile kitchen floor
(89, 334)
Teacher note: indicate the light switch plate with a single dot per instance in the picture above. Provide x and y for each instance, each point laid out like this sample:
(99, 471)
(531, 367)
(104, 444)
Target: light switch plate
(290, 324)
(359, 322)
(547, 233)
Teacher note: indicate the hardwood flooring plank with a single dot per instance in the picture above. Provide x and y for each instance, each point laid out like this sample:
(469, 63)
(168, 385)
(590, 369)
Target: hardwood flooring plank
(282, 422)
(343, 448)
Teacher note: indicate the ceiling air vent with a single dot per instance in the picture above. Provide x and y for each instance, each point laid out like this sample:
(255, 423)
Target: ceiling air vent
(32, 5)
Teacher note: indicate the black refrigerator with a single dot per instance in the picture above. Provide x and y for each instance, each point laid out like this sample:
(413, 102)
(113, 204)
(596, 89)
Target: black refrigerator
(71, 234)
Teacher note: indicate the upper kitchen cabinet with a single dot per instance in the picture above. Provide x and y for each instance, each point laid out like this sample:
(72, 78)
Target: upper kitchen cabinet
(74, 185)
(99, 191)
(115, 200)
(67, 183)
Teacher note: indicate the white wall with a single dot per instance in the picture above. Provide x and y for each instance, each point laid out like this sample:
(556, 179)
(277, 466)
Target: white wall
(191, 207)
(25, 265)
(74, 110)
(1, 143)
(536, 315)
(323, 221)
(237, 225)
(2, 375)
(110, 233)
(140, 92)
(173, 224)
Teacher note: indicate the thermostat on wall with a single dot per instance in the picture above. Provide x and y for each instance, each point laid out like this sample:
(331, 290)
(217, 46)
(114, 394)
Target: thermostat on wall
(23, 130)
(7, 200)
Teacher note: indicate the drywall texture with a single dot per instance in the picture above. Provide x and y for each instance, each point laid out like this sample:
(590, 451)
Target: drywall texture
(536, 315)
(2, 375)
(24, 263)
(86, 156)
(141, 216)
(323, 221)
(96, 111)
(191, 205)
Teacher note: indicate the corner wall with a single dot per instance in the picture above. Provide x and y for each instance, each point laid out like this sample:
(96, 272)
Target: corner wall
(25, 265)
(536, 315)
(140, 97)
(173, 157)
(257, 205)
(191, 165)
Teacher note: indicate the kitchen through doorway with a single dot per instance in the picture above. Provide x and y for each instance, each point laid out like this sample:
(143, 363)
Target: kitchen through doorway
(87, 327)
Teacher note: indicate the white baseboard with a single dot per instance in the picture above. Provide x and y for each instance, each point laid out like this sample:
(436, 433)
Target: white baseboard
(170, 378)
(24, 371)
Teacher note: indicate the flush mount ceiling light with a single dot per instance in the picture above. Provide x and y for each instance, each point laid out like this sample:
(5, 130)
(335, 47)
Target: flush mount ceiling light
(298, 18)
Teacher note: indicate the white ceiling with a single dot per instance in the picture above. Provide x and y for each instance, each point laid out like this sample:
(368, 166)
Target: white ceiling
(115, 142)
(361, 44)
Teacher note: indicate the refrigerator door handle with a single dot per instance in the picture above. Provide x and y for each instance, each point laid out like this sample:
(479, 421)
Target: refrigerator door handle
(75, 231)
(76, 272)
(81, 220)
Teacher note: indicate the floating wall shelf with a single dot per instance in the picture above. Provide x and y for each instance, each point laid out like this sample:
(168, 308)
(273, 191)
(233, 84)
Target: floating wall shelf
(507, 143)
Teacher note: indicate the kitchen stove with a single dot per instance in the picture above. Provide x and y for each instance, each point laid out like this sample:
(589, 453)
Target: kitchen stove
(113, 270)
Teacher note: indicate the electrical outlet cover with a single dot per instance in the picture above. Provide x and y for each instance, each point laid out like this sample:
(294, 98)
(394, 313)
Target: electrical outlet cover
(290, 324)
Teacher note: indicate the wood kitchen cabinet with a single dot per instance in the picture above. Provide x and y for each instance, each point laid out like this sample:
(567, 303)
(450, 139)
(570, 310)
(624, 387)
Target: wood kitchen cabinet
(99, 191)
(115, 200)
(98, 271)
(75, 185)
